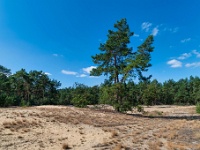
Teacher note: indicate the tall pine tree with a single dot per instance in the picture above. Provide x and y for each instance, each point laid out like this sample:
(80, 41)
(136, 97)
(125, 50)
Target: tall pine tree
(120, 63)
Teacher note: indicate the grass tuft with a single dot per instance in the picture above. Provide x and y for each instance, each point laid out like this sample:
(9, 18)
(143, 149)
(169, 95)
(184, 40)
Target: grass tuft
(65, 146)
(114, 133)
(118, 147)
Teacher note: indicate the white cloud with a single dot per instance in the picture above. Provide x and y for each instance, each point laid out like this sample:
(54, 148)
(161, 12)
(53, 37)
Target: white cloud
(56, 55)
(185, 40)
(174, 63)
(172, 30)
(69, 72)
(136, 35)
(155, 31)
(47, 73)
(82, 75)
(184, 56)
(145, 26)
(88, 69)
(196, 53)
(196, 64)
(93, 76)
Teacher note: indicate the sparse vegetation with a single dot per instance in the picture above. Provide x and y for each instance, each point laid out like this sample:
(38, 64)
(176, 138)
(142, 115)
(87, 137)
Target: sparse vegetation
(18, 124)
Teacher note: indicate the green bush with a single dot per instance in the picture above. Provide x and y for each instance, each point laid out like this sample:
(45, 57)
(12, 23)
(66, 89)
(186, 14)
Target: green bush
(140, 108)
(24, 103)
(9, 101)
(80, 101)
(198, 108)
(125, 106)
(6, 101)
(2, 100)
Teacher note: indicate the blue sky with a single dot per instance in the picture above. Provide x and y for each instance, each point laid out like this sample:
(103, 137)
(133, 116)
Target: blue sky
(60, 36)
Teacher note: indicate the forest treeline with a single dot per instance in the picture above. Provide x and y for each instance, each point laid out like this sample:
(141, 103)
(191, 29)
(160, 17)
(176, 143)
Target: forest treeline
(182, 92)
(27, 88)
(36, 88)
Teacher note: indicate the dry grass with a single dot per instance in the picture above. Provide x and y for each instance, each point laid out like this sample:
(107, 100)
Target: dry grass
(114, 133)
(135, 140)
(81, 132)
(153, 113)
(118, 147)
(152, 131)
(20, 137)
(17, 124)
(154, 145)
(176, 146)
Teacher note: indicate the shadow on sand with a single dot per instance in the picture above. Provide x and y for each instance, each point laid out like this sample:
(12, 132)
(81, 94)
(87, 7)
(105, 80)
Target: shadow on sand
(171, 117)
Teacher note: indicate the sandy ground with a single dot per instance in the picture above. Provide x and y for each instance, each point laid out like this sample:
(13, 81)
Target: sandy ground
(64, 127)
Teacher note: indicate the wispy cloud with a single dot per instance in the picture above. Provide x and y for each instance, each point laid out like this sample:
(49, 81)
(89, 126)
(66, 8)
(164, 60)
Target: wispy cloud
(146, 26)
(136, 35)
(56, 55)
(172, 30)
(195, 64)
(155, 31)
(47, 73)
(185, 40)
(184, 56)
(88, 69)
(69, 72)
(93, 76)
(196, 53)
(81, 75)
(174, 63)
